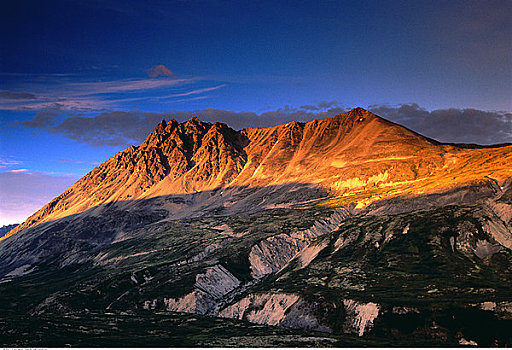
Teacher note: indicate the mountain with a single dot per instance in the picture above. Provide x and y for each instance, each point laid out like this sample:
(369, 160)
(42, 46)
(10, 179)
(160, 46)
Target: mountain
(350, 230)
(342, 155)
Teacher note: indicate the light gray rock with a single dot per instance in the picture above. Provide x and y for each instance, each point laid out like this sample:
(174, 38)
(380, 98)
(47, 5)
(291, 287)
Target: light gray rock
(275, 309)
(209, 289)
(360, 316)
(272, 254)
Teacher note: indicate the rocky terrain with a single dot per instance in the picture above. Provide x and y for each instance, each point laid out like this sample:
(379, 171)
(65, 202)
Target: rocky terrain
(350, 230)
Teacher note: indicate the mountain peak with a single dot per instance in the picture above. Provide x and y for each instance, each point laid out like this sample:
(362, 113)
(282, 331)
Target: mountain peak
(358, 112)
(355, 115)
(194, 126)
(171, 124)
(157, 135)
(161, 126)
(194, 120)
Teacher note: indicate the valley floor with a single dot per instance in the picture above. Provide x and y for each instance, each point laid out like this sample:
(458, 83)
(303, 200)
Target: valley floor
(167, 329)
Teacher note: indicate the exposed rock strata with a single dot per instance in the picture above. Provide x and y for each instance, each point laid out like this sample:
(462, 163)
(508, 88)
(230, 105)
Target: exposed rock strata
(200, 170)
(273, 253)
(276, 309)
(500, 229)
(209, 288)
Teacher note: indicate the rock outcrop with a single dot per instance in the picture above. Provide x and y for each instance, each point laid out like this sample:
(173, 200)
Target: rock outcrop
(273, 253)
(360, 316)
(209, 289)
(276, 309)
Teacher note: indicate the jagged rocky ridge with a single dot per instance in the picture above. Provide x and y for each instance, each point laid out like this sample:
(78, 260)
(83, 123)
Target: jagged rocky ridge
(308, 226)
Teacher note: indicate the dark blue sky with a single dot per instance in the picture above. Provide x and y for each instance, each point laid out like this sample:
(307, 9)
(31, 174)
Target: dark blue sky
(81, 80)
(435, 53)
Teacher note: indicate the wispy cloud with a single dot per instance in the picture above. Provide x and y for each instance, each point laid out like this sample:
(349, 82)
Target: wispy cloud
(193, 92)
(108, 87)
(8, 161)
(18, 171)
(76, 161)
(64, 93)
(8, 95)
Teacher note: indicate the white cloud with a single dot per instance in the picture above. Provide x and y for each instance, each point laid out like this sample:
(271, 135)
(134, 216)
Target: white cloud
(193, 92)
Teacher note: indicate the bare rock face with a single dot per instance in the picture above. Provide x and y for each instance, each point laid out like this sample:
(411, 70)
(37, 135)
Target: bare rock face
(175, 158)
(273, 253)
(360, 316)
(209, 288)
(261, 308)
(216, 281)
(501, 227)
(310, 253)
(469, 243)
(276, 309)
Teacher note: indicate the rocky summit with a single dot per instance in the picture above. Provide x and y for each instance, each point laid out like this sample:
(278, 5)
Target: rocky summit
(346, 231)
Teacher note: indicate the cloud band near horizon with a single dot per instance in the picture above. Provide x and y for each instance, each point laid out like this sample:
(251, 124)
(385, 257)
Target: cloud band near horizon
(120, 128)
